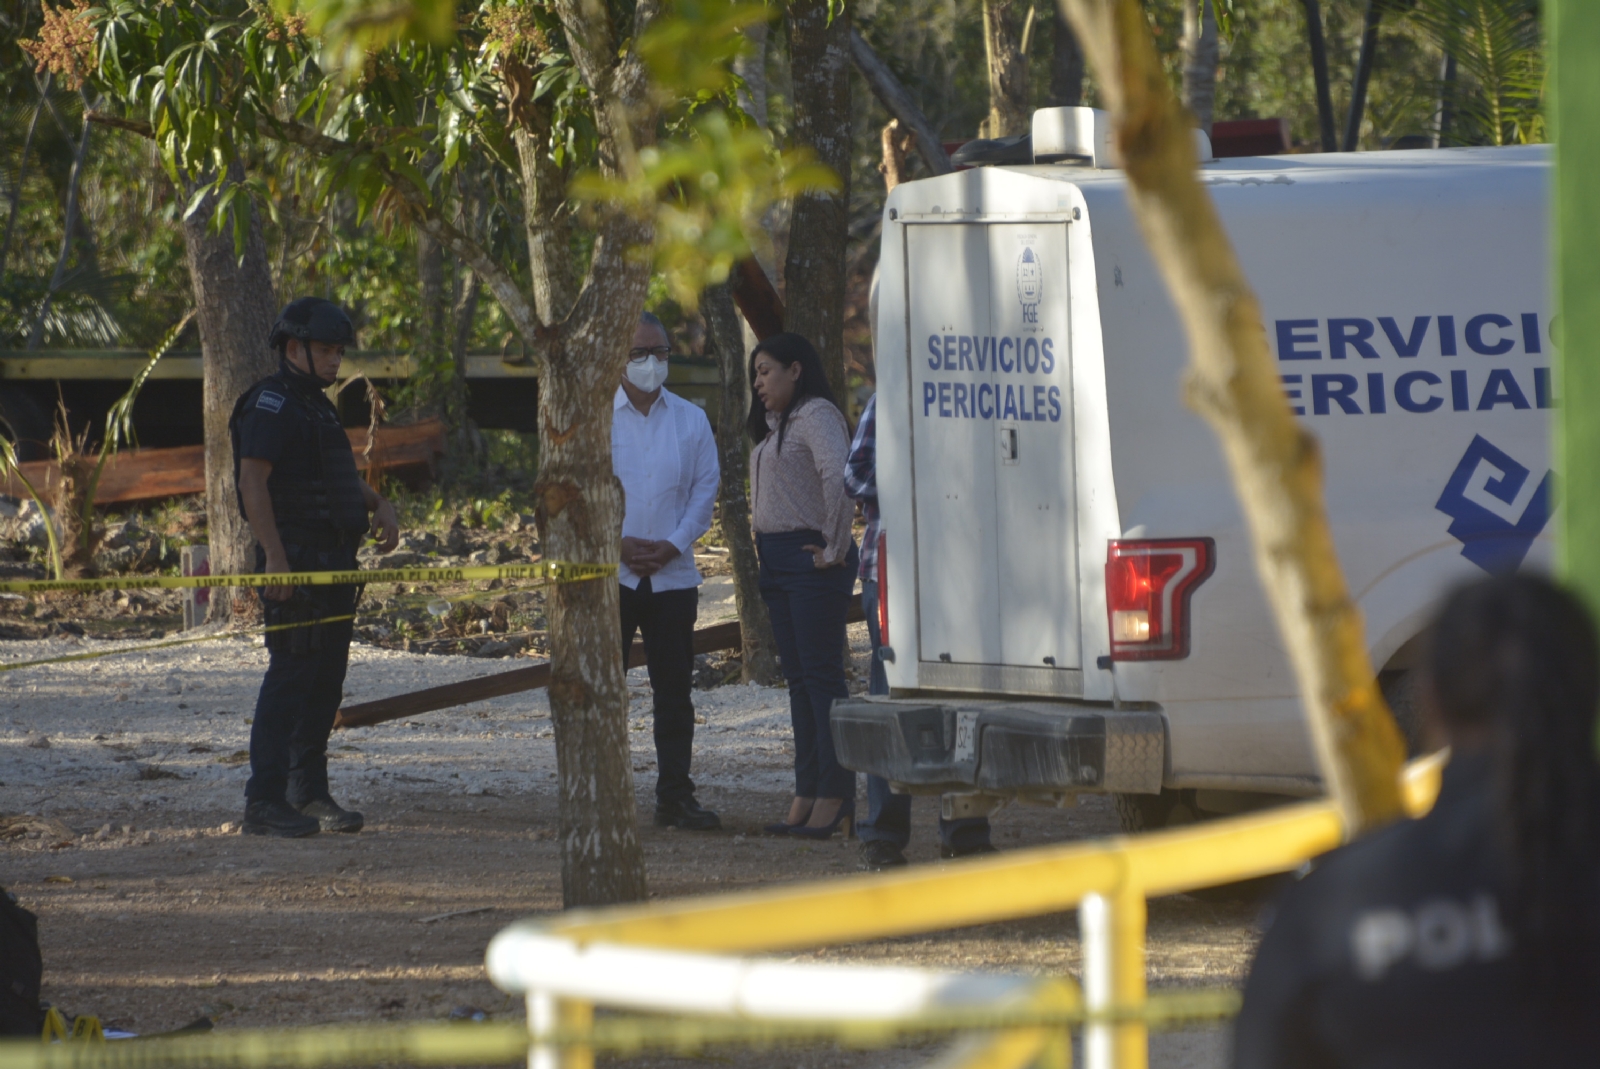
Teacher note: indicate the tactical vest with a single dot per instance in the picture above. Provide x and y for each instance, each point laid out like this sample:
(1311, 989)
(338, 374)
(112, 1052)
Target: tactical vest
(329, 505)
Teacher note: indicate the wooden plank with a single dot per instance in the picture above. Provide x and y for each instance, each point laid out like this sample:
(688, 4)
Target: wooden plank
(151, 474)
(724, 636)
(757, 301)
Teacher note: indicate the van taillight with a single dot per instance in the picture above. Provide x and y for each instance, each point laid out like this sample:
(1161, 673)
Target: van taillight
(883, 588)
(1148, 583)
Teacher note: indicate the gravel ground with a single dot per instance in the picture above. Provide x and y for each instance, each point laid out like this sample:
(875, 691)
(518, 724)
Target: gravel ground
(153, 912)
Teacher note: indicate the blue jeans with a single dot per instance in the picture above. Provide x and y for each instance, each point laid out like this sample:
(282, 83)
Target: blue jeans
(808, 605)
(889, 814)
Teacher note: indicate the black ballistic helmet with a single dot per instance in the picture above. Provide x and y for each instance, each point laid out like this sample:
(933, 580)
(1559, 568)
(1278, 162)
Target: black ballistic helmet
(312, 319)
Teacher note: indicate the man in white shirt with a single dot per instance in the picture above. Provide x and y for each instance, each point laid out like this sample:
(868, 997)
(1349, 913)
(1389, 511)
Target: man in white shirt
(664, 454)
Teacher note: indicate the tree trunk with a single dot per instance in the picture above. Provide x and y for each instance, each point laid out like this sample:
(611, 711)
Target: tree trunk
(1447, 101)
(235, 308)
(897, 144)
(1200, 61)
(431, 348)
(899, 103)
(1008, 72)
(1319, 74)
(733, 450)
(751, 67)
(1066, 64)
(1233, 383)
(814, 271)
(544, 197)
(70, 226)
(1358, 92)
(15, 196)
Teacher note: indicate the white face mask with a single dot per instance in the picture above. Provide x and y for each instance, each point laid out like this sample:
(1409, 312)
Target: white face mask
(649, 374)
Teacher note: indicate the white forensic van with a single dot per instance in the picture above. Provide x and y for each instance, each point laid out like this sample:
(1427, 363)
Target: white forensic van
(1069, 598)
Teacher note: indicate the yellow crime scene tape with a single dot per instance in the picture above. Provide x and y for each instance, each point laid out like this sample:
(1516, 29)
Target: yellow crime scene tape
(555, 571)
(504, 1043)
(545, 572)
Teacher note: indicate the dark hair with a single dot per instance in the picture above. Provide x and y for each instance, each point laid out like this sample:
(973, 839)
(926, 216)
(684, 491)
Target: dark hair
(650, 319)
(1517, 656)
(788, 350)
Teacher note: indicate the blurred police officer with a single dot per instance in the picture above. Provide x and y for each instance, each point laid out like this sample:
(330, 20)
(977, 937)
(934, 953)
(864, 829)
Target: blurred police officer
(309, 510)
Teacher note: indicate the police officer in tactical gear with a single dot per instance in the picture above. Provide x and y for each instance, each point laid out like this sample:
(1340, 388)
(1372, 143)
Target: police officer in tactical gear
(309, 510)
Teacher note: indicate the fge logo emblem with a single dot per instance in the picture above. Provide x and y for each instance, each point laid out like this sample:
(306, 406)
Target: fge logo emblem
(1030, 284)
(1494, 511)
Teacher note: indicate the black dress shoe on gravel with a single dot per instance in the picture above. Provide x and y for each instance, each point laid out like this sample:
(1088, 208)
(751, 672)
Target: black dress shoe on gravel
(950, 853)
(331, 818)
(277, 818)
(880, 854)
(688, 815)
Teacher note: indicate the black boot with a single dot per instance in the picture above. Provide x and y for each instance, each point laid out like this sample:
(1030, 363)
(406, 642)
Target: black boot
(331, 817)
(277, 818)
(880, 854)
(686, 814)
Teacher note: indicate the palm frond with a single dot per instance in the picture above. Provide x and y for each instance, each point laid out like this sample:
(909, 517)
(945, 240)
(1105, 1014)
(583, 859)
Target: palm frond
(1498, 47)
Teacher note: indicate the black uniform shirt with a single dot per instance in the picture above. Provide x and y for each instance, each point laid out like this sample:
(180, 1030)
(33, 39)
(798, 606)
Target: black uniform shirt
(1393, 952)
(277, 420)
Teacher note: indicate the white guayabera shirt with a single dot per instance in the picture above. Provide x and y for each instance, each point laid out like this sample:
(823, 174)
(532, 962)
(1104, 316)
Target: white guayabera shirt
(667, 463)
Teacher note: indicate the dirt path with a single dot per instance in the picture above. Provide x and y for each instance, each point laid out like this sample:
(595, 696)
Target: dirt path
(174, 918)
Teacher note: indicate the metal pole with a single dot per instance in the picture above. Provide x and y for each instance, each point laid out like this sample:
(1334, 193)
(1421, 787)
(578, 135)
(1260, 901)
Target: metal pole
(1094, 930)
(1127, 976)
(1574, 36)
(541, 1022)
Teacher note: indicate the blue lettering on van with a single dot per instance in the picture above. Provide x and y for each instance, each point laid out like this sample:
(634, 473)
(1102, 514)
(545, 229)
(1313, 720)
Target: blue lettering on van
(1328, 390)
(1486, 334)
(1405, 391)
(1489, 540)
(1293, 333)
(1478, 343)
(1352, 332)
(1026, 355)
(1418, 392)
(1021, 402)
(1406, 344)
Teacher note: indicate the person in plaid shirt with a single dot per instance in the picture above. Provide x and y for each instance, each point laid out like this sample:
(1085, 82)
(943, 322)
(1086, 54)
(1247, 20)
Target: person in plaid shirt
(887, 829)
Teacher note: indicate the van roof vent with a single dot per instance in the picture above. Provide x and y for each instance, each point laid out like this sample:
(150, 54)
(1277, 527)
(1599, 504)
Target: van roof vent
(1083, 136)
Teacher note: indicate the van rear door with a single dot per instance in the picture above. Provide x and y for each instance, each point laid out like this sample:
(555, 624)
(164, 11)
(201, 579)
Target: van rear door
(992, 457)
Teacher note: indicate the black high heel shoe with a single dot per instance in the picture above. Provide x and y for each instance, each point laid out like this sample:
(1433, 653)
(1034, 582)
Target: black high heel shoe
(845, 816)
(783, 827)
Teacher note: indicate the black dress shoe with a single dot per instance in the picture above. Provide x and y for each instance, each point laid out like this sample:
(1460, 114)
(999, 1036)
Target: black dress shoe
(331, 817)
(688, 815)
(277, 818)
(950, 853)
(880, 854)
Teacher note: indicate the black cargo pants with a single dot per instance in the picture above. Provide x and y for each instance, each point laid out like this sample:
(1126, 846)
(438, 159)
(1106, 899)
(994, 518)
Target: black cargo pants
(304, 683)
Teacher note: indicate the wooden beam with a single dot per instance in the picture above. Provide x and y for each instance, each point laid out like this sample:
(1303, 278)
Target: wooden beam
(725, 636)
(152, 474)
(758, 302)
(898, 102)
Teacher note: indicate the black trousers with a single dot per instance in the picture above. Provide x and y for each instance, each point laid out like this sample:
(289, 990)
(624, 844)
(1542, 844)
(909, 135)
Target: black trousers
(304, 684)
(666, 621)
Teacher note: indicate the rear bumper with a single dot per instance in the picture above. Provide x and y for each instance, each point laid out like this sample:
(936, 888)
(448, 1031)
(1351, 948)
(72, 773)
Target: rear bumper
(1001, 747)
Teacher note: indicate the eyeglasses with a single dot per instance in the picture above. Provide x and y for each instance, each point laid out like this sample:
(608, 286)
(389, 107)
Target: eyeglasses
(660, 352)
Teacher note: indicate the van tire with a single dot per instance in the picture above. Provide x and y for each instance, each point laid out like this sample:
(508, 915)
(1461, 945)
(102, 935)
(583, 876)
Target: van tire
(1150, 812)
(1172, 809)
